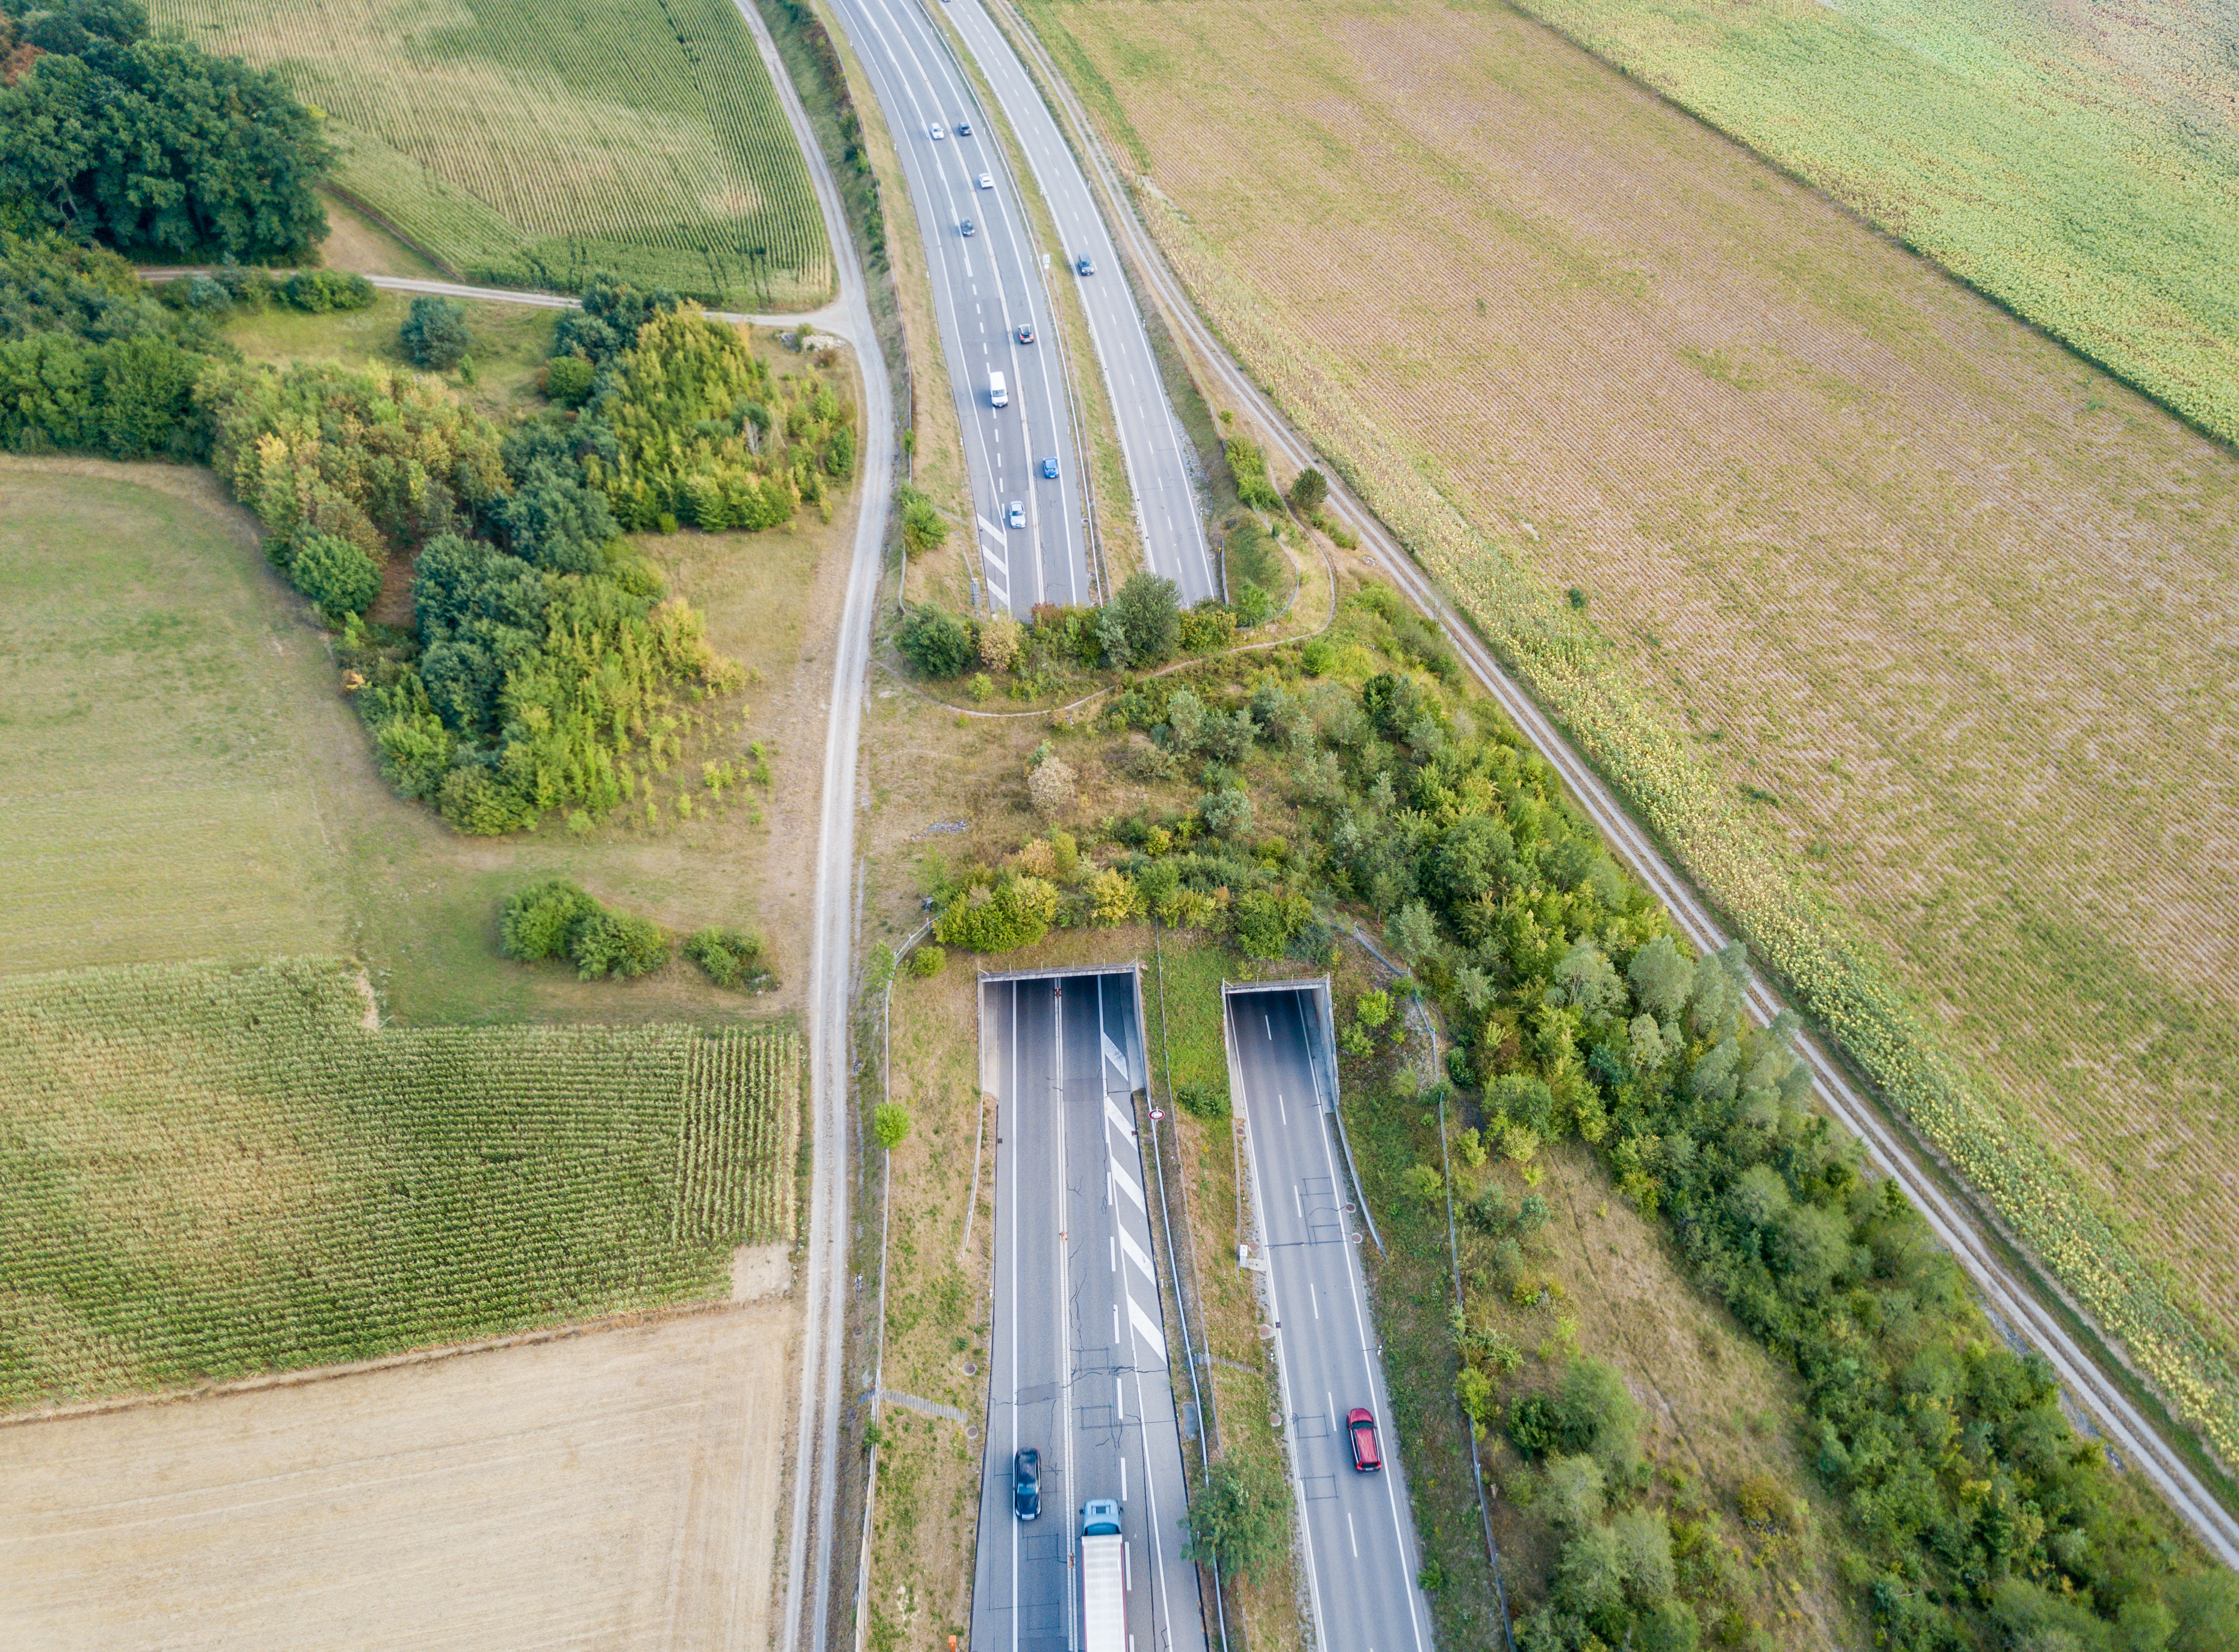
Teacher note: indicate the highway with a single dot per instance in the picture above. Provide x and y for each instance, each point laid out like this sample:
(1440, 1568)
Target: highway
(1078, 1361)
(1151, 440)
(1951, 1214)
(986, 286)
(1361, 1549)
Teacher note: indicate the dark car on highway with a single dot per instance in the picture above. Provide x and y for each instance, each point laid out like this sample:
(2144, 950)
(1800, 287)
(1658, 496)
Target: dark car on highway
(1026, 1484)
(1025, 333)
(1086, 264)
(1360, 1430)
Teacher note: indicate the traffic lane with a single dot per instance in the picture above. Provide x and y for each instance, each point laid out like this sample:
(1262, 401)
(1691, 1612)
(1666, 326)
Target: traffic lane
(1020, 1602)
(1362, 1554)
(1053, 538)
(1129, 1441)
(988, 295)
(1151, 439)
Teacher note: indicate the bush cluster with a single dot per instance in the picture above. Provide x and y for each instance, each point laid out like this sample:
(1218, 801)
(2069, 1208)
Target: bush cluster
(556, 919)
(731, 958)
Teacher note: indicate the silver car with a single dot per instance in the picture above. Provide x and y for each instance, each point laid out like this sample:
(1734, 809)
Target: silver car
(1018, 517)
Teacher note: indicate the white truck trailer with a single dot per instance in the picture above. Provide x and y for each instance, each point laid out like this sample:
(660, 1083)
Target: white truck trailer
(1103, 1579)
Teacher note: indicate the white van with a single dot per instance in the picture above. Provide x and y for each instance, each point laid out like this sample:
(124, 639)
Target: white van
(999, 394)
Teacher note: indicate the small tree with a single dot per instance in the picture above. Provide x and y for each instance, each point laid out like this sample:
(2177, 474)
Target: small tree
(1150, 617)
(924, 529)
(1308, 490)
(1051, 786)
(434, 334)
(334, 574)
(568, 379)
(999, 641)
(890, 1125)
(934, 641)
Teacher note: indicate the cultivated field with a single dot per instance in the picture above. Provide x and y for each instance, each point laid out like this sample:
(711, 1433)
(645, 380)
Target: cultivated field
(617, 1490)
(536, 145)
(1910, 632)
(218, 1171)
(2080, 162)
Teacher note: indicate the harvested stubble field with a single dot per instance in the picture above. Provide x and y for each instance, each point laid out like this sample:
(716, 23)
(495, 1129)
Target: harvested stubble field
(617, 1490)
(215, 1171)
(1910, 632)
(534, 144)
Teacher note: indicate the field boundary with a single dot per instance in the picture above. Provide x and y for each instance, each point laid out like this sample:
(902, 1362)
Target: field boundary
(630, 1319)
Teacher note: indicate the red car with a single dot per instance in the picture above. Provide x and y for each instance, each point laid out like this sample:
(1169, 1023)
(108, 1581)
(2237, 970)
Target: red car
(1360, 1430)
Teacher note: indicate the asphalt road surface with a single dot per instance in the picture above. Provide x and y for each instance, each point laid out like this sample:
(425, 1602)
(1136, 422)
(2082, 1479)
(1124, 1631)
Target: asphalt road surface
(1361, 1553)
(986, 286)
(1150, 441)
(1077, 1357)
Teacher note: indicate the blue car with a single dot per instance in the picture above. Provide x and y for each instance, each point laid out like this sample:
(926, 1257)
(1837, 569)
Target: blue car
(1026, 1484)
(1049, 468)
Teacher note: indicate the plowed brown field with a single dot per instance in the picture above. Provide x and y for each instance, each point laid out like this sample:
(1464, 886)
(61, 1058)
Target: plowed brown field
(1948, 609)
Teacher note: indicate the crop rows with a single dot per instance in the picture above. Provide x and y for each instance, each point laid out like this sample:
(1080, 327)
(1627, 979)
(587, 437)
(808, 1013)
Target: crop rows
(213, 1171)
(741, 1125)
(542, 142)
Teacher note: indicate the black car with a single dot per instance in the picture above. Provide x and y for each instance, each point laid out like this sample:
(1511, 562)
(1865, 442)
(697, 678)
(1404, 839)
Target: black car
(1026, 1484)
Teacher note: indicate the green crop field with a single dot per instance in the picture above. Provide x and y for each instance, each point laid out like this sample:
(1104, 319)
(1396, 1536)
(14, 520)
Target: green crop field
(212, 1171)
(532, 144)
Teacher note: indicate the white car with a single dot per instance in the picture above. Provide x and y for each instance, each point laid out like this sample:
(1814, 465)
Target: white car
(937, 133)
(987, 180)
(1018, 514)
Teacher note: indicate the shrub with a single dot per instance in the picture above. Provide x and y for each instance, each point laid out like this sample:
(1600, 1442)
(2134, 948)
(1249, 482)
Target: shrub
(1250, 465)
(1051, 786)
(334, 574)
(1253, 606)
(1239, 1518)
(1147, 613)
(317, 292)
(731, 958)
(618, 944)
(1001, 638)
(927, 960)
(1016, 914)
(1201, 1101)
(568, 379)
(1207, 629)
(1227, 814)
(934, 640)
(1308, 490)
(1317, 656)
(924, 529)
(890, 1125)
(558, 919)
(539, 922)
(434, 335)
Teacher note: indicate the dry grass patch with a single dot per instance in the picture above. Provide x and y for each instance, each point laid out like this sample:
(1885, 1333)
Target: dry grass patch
(1932, 614)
